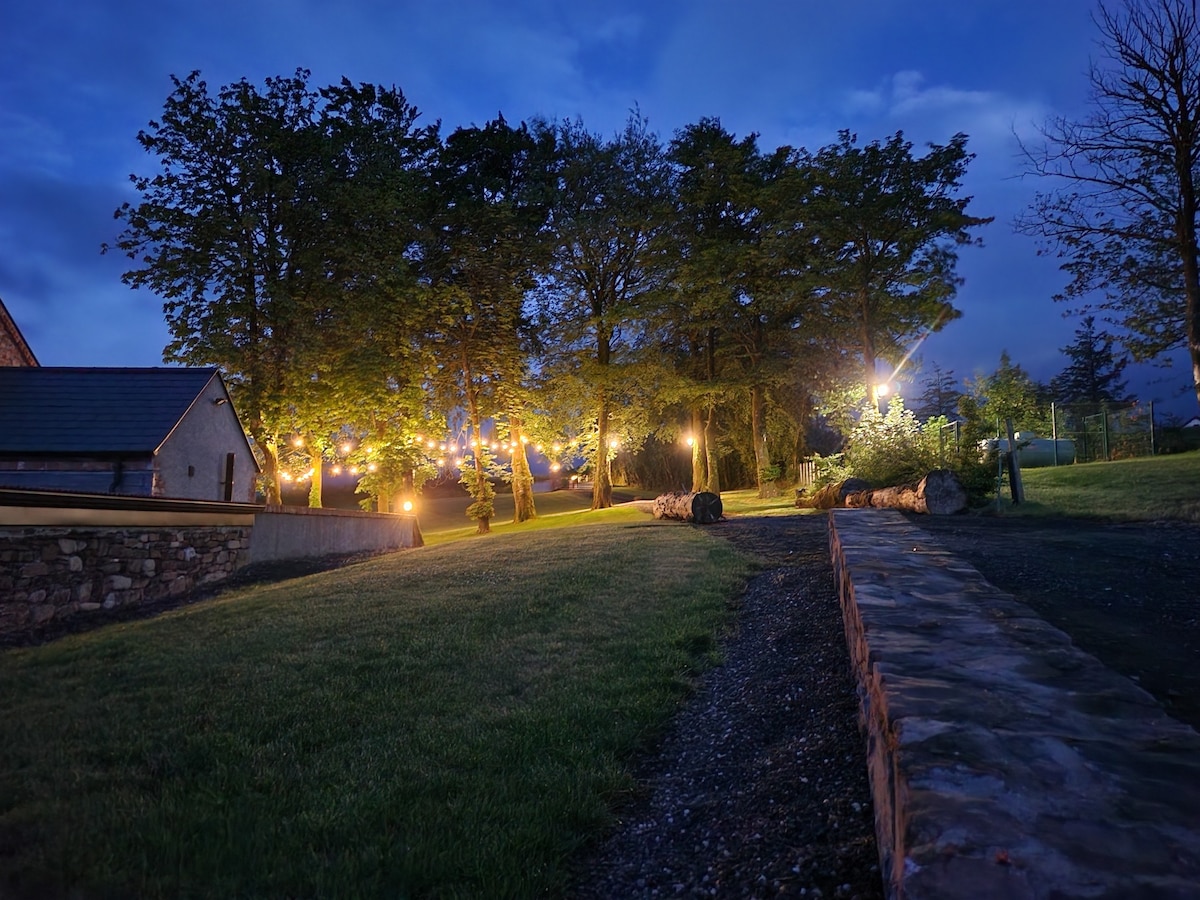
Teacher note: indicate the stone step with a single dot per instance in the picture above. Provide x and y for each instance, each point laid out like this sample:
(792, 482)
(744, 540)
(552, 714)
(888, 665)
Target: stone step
(1004, 761)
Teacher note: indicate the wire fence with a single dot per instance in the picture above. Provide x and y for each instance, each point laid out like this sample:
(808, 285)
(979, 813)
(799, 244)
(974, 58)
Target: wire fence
(1105, 431)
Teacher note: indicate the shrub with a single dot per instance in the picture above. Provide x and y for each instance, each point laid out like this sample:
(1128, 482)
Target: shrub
(893, 447)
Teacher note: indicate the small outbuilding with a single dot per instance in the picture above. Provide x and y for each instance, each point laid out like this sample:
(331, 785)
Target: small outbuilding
(151, 432)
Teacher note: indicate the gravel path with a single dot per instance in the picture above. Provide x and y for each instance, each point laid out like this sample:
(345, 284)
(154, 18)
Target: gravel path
(760, 788)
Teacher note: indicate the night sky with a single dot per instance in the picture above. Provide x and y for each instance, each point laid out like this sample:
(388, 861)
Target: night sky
(77, 82)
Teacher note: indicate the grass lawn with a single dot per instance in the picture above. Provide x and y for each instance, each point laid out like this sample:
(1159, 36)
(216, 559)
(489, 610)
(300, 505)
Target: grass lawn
(1144, 489)
(452, 721)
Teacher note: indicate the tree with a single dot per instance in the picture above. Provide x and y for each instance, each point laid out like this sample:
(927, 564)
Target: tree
(886, 226)
(480, 258)
(1009, 392)
(1123, 211)
(609, 226)
(940, 395)
(1094, 374)
(277, 232)
(739, 289)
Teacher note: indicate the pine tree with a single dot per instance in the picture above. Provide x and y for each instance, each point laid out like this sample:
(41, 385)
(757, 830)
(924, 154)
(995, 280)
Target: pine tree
(1094, 375)
(940, 395)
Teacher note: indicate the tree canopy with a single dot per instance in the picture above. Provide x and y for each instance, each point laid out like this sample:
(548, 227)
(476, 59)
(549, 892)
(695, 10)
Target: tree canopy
(362, 280)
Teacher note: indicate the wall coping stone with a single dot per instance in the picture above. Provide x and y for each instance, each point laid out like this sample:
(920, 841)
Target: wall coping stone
(1004, 761)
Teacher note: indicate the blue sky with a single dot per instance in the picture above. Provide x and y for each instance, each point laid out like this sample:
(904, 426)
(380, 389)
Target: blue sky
(78, 80)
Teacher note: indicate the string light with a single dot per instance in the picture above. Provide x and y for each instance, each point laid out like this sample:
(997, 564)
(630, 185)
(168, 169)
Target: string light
(346, 448)
(336, 470)
(372, 467)
(298, 442)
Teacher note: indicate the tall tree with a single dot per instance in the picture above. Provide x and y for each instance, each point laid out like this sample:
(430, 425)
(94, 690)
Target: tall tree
(940, 394)
(888, 225)
(480, 259)
(609, 224)
(1122, 211)
(738, 297)
(1094, 373)
(275, 221)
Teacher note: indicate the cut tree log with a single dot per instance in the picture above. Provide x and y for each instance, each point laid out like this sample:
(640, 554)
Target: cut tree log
(832, 495)
(939, 493)
(701, 507)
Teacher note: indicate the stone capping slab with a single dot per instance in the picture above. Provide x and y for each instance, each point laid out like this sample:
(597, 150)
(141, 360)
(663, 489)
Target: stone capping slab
(1004, 761)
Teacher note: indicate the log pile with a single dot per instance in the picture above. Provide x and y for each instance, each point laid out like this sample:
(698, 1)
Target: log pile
(702, 508)
(939, 493)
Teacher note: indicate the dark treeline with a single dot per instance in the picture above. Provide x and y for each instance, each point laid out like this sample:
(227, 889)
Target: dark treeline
(370, 284)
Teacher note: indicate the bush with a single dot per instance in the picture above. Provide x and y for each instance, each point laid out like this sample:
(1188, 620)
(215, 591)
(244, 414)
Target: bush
(893, 448)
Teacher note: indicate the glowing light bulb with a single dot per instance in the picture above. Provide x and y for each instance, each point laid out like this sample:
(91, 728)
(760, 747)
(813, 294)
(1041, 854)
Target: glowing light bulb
(408, 506)
(346, 448)
(372, 467)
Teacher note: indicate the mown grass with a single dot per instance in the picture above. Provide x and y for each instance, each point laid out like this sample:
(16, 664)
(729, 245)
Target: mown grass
(1144, 489)
(452, 721)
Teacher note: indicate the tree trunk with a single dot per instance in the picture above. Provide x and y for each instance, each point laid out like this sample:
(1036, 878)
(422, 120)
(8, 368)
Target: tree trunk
(272, 490)
(767, 486)
(868, 346)
(602, 473)
(480, 488)
(522, 477)
(939, 493)
(699, 459)
(703, 508)
(602, 477)
(314, 486)
(1191, 280)
(712, 483)
(831, 495)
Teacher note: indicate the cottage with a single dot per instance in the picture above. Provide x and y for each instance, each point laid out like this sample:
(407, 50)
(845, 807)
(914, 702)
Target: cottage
(153, 432)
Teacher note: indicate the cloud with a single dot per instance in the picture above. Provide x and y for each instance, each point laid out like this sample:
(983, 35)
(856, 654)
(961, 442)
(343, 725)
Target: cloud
(904, 100)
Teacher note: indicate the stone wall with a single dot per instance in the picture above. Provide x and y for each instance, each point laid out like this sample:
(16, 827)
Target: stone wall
(54, 572)
(1004, 761)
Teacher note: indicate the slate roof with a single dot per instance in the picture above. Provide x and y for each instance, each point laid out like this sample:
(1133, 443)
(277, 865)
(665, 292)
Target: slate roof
(80, 411)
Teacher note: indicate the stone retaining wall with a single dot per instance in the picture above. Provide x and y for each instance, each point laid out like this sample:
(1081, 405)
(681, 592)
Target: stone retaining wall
(47, 573)
(1004, 761)
(64, 553)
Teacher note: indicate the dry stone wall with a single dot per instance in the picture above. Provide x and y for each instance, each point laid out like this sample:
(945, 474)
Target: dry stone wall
(53, 572)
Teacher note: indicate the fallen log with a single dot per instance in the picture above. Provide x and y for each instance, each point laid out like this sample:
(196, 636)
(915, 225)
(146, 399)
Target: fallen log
(831, 495)
(939, 493)
(701, 507)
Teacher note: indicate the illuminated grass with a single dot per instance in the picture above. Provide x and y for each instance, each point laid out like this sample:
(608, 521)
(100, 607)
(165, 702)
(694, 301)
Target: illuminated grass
(452, 721)
(1145, 489)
